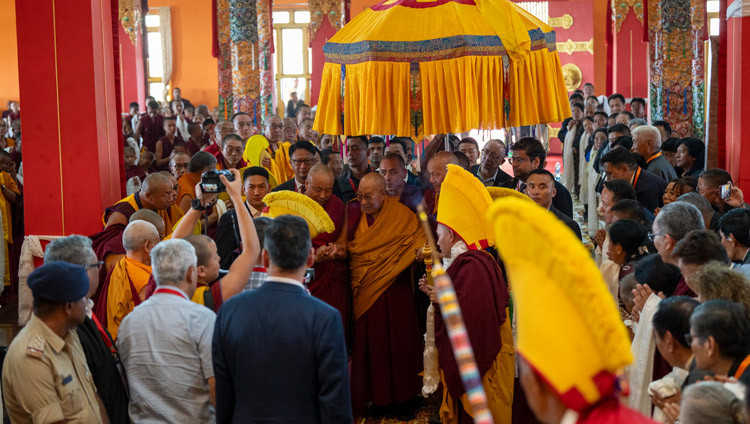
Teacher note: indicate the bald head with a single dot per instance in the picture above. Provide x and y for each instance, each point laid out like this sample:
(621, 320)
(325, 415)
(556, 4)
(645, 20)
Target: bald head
(372, 180)
(157, 192)
(204, 247)
(438, 167)
(149, 216)
(139, 237)
(320, 170)
(319, 184)
(371, 193)
(202, 162)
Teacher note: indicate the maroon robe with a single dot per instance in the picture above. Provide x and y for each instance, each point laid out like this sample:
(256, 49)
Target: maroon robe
(387, 346)
(483, 296)
(151, 130)
(191, 147)
(683, 289)
(135, 171)
(221, 165)
(609, 410)
(331, 283)
(167, 147)
(105, 243)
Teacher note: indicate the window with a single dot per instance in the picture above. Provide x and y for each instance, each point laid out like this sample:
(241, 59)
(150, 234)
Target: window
(292, 56)
(712, 10)
(154, 64)
(540, 9)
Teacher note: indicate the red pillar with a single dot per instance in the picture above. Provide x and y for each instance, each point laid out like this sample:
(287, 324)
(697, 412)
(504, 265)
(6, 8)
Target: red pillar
(132, 78)
(630, 55)
(737, 92)
(66, 76)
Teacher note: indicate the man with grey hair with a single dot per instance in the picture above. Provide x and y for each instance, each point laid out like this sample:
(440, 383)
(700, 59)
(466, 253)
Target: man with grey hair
(710, 216)
(166, 344)
(635, 123)
(672, 223)
(647, 143)
(126, 285)
(97, 344)
(221, 130)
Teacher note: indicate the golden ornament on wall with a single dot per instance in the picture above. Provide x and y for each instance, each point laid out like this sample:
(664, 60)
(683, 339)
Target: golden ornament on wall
(334, 10)
(572, 76)
(621, 8)
(130, 17)
(571, 46)
(565, 21)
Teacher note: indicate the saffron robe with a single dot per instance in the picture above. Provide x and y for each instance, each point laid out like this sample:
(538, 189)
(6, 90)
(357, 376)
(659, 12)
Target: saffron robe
(124, 283)
(11, 259)
(331, 283)
(483, 297)
(387, 347)
(132, 203)
(209, 296)
(187, 183)
(281, 167)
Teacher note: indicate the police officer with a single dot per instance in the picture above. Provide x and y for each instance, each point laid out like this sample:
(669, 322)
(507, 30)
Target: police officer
(45, 376)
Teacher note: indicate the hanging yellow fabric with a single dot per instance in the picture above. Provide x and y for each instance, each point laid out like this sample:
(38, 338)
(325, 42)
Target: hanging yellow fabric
(410, 67)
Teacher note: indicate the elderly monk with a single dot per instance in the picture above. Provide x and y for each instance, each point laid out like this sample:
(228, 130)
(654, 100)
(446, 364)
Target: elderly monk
(178, 164)
(384, 236)
(157, 193)
(125, 287)
(273, 130)
(230, 157)
(199, 163)
(482, 295)
(221, 130)
(331, 283)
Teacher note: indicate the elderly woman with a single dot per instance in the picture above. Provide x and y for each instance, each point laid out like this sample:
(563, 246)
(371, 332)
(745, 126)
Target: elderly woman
(691, 153)
(710, 402)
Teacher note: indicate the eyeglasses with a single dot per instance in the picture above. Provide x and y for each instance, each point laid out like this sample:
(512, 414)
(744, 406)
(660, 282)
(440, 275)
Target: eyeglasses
(299, 162)
(513, 160)
(276, 126)
(366, 197)
(98, 265)
(652, 236)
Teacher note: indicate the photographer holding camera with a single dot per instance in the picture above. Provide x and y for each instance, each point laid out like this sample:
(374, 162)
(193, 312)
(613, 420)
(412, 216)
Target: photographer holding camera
(212, 291)
(715, 185)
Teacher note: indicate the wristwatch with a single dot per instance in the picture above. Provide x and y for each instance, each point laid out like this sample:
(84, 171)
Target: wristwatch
(197, 205)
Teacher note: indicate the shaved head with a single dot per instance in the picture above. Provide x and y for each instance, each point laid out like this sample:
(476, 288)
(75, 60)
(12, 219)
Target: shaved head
(438, 167)
(202, 162)
(320, 170)
(319, 184)
(137, 234)
(203, 247)
(373, 180)
(149, 216)
(155, 183)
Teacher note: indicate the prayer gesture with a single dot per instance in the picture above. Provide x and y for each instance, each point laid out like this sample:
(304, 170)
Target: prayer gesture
(427, 289)
(641, 293)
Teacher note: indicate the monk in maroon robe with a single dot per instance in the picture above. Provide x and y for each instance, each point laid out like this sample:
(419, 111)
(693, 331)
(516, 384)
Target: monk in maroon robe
(196, 141)
(384, 236)
(165, 145)
(150, 127)
(331, 283)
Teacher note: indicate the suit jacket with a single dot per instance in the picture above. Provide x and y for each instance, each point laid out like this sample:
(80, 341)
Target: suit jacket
(562, 200)
(660, 166)
(280, 357)
(501, 177)
(413, 180)
(291, 186)
(567, 221)
(287, 185)
(649, 190)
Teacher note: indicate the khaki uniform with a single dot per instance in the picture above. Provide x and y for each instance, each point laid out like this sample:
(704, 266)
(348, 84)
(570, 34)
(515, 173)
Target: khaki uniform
(46, 379)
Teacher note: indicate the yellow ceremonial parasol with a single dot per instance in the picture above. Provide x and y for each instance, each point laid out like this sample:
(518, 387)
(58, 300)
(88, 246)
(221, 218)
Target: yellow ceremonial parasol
(415, 67)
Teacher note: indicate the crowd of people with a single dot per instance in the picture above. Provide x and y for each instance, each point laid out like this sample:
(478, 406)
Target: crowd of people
(292, 284)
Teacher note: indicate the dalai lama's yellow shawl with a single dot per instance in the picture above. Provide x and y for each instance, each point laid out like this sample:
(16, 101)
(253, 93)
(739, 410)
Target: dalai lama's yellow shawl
(415, 67)
(382, 251)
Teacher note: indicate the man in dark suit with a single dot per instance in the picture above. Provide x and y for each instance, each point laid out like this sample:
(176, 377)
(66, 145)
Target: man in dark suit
(279, 353)
(528, 154)
(302, 157)
(649, 188)
(540, 185)
(488, 171)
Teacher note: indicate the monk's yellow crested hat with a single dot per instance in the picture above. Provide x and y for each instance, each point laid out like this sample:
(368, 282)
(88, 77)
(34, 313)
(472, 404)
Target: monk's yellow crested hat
(568, 328)
(462, 207)
(498, 192)
(293, 203)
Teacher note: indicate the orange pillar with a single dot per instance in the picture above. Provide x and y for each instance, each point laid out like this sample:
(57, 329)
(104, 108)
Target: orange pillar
(72, 164)
(737, 92)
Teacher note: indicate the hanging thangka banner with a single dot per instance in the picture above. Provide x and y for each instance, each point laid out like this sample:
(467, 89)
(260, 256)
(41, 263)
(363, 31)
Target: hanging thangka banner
(224, 59)
(676, 49)
(243, 33)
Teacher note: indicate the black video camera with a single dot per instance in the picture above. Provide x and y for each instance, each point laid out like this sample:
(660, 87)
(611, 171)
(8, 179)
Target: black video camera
(211, 183)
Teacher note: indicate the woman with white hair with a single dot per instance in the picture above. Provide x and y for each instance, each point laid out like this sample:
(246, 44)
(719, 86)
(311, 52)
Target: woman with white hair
(710, 402)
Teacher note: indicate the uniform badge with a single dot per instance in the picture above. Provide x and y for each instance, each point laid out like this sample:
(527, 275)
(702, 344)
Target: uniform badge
(36, 347)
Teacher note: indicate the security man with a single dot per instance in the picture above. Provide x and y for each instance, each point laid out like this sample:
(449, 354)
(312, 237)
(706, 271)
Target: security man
(45, 376)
